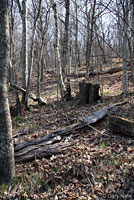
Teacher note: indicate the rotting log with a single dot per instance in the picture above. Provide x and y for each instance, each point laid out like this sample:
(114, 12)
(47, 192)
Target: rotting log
(121, 126)
(53, 142)
(31, 95)
(88, 93)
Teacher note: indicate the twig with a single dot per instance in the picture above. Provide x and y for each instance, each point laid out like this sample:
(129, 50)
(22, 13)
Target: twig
(94, 128)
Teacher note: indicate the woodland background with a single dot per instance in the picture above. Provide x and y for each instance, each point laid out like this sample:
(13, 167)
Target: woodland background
(55, 48)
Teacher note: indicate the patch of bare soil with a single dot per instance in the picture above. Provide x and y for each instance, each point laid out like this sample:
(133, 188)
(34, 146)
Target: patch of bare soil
(100, 164)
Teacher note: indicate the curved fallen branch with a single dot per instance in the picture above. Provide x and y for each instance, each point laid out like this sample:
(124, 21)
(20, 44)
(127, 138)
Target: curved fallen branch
(52, 143)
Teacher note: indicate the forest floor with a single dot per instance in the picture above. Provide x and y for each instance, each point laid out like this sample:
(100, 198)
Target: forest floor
(100, 164)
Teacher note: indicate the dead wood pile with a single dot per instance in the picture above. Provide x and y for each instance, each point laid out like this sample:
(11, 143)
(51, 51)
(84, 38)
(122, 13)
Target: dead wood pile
(54, 142)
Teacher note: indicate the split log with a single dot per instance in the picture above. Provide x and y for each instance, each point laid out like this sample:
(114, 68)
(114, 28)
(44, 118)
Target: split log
(88, 93)
(121, 126)
(52, 143)
(31, 95)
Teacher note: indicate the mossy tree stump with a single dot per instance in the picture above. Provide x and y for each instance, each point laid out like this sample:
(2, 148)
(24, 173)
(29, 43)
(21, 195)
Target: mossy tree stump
(121, 126)
(88, 93)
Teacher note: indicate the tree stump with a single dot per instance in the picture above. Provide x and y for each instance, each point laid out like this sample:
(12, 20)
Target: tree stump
(18, 109)
(121, 126)
(88, 93)
(68, 90)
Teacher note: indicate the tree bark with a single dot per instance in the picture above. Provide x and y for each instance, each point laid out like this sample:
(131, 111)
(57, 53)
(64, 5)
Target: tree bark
(7, 168)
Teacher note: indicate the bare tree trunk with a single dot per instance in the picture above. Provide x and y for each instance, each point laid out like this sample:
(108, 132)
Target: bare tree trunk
(76, 39)
(90, 38)
(7, 168)
(120, 32)
(70, 54)
(30, 63)
(132, 58)
(11, 66)
(133, 26)
(24, 45)
(43, 66)
(60, 77)
(23, 10)
(101, 42)
(125, 49)
(64, 59)
(39, 71)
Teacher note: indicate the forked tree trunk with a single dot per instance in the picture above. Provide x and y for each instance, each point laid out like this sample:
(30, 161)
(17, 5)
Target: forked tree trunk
(7, 168)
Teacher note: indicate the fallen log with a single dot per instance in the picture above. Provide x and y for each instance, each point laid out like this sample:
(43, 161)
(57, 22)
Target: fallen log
(121, 126)
(31, 95)
(108, 71)
(52, 143)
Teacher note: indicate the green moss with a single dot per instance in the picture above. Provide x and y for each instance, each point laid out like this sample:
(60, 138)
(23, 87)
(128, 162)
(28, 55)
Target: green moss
(102, 145)
(2, 189)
